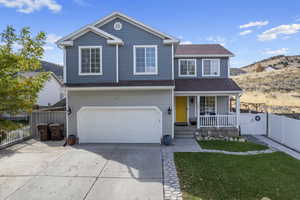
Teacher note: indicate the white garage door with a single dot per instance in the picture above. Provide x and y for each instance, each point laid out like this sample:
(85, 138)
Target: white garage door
(119, 125)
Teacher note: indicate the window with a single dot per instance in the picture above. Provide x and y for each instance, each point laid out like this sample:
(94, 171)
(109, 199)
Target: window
(187, 67)
(210, 67)
(207, 105)
(90, 60)
(145, 59)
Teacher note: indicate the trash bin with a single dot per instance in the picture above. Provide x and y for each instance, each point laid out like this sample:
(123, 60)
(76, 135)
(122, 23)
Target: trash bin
(167, 140)
(43, 131)
(56, 133)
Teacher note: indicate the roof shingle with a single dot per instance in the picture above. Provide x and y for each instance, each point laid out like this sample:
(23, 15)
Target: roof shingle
(202, 49)
(206, 85)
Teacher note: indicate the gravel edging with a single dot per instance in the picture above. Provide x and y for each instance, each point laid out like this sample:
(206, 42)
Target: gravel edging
(171, 184)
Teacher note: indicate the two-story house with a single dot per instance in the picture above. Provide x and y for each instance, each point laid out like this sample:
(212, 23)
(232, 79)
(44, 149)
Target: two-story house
(129, 83)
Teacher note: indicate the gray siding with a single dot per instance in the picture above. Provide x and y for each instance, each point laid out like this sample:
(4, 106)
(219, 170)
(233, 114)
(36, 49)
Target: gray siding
(161, 99)
(223, 69)
(108, 63)
(222, 104)
(132, 35)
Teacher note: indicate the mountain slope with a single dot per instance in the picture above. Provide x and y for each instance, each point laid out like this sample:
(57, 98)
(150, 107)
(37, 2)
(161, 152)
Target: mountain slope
(279, 89)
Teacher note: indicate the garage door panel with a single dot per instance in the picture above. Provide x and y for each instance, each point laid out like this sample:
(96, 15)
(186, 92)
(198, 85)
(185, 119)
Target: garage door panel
(119, 125)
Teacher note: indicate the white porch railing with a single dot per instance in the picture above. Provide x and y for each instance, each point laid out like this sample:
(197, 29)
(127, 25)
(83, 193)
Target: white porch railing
(217, 121)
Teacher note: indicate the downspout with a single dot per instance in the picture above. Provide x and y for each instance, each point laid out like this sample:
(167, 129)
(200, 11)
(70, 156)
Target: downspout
(117, 63)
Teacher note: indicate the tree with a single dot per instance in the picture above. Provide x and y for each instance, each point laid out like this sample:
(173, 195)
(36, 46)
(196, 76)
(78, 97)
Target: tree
(259, 68)
(20, 53)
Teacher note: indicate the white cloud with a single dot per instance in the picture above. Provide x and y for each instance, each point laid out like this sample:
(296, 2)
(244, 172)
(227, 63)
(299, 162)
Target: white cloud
(48, 48)
(254, 24)
(217, 39)
(29, 6)
(276, 52)
(246, 32)
(52, 38)
(273, 33)
(186, 42)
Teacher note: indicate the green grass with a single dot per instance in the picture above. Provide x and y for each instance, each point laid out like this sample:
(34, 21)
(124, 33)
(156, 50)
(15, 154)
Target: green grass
(231, 145)
(215, 176)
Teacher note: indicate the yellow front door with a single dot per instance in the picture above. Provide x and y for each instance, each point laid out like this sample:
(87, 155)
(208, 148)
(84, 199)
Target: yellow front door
(181, 109)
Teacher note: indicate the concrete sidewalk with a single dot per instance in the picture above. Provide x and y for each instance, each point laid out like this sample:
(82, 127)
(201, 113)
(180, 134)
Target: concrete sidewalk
(47, 171)
(278, 146)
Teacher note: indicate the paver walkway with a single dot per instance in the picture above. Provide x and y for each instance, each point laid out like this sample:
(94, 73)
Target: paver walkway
(278, 146)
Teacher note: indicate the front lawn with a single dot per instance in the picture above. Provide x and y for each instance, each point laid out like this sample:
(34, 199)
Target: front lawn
(231, 145)
(216, 176)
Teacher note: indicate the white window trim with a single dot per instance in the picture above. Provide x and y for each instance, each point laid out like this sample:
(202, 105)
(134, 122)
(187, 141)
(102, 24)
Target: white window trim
(216, 103)
(79, 61)
(185, 75)
(134, 60)
(219, 67)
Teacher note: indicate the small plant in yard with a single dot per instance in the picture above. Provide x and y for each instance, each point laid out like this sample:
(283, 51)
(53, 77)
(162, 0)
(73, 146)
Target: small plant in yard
(3, 136)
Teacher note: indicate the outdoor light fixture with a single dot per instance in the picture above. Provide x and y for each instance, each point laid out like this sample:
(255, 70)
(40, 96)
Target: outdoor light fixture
(69, 111)
(169, 110)
(192, 100)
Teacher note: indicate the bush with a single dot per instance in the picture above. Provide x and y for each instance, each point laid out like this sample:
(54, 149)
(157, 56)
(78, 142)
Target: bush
(3, 136)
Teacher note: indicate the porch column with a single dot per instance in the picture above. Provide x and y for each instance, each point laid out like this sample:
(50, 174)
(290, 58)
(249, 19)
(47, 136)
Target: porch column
(198, 111)
(237, 110)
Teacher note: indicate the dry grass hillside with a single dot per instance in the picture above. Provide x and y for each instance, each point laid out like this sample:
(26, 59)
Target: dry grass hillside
(275, 62)
(278, 89)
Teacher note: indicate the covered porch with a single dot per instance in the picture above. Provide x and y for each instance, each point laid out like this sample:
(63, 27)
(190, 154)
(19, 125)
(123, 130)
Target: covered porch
(206, 111)
(206, 103)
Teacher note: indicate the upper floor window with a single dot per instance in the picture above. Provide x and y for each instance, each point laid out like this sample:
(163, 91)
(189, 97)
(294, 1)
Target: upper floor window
(90, 60)
(187, 67)
(211, 67)
(145, 59)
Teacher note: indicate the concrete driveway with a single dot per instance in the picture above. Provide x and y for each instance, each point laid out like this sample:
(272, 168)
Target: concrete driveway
(36, 170)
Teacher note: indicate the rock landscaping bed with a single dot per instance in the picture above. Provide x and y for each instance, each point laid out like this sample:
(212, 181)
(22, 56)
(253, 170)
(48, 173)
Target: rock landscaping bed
(232, 146)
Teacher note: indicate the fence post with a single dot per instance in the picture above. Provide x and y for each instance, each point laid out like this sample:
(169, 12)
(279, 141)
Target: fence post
(267, 124)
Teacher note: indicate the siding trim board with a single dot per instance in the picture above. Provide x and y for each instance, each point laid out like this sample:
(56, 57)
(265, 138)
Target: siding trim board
(71, 37)
(202, 55)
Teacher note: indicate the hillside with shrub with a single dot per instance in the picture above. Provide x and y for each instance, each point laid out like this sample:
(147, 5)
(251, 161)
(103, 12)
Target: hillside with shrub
(279, 89)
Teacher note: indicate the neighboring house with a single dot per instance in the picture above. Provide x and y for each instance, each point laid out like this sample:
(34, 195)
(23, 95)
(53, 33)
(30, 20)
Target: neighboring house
(52, 67)
(129, 83)
(52, 92)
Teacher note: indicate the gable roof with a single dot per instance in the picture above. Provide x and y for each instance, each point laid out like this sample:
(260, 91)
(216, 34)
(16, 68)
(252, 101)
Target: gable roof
(66, 41)
(200, 50)
(32, 74)
(139, 24)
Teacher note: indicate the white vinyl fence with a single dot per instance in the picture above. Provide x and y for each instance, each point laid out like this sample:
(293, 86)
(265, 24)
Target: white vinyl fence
(253, 124)
(285, 131)
(14, 136)
(46, 117)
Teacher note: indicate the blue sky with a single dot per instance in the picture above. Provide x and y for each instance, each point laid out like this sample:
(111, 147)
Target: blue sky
(252, 30)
